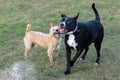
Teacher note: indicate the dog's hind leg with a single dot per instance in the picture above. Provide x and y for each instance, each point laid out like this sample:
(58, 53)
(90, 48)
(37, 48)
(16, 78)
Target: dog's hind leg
(84, 54)
(26, 53)
(98, 47)
(28, 46)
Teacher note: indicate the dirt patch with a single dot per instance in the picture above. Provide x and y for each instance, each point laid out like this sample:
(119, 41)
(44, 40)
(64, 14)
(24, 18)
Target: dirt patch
(21, 70)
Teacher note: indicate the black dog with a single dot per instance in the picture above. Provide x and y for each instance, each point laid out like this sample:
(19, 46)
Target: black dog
(79, 36)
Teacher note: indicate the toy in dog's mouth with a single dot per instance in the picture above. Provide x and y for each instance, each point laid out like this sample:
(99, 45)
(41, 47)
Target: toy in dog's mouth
(62, 30)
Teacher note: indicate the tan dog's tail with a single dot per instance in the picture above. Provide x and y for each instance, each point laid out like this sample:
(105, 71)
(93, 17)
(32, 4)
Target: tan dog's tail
(28, 27)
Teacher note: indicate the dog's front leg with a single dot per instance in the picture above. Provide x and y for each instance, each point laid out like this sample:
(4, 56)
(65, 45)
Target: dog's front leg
(79, 51)
(55, 53)
(68, 57)
(84, 54)
(50, 55)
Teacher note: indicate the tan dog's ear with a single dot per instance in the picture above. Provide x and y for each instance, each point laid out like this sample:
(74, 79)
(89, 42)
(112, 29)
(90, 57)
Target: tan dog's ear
(51, 25)
(56, 24)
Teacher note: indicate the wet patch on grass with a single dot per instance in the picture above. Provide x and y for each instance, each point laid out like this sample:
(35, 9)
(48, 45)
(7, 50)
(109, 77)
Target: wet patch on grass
(21, 70)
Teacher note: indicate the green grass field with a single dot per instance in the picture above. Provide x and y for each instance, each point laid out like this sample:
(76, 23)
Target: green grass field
(16, 14)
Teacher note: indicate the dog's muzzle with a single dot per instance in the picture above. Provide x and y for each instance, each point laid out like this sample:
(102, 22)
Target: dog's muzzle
(57, 33)
(62, 24)
(62, 27)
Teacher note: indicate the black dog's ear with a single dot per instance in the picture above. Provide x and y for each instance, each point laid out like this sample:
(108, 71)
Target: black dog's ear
(63, 15)
(76, 17)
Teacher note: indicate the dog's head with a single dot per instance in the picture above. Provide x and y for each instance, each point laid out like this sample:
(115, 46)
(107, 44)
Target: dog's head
(68, 24)
(54, 30)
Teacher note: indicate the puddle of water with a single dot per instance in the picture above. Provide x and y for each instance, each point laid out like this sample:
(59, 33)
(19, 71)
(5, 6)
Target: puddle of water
(21, 70)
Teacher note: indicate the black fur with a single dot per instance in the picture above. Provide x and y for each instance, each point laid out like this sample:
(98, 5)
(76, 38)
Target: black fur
(86, 33)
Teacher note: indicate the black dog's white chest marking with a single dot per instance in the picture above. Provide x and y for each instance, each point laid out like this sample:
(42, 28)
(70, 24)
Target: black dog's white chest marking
(71, 41)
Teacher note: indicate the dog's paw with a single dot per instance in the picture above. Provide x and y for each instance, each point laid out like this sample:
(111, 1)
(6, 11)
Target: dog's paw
(81, 58)
(52, 63)
(96, 64)
(25, 58)
(71, 64)
(67, 72)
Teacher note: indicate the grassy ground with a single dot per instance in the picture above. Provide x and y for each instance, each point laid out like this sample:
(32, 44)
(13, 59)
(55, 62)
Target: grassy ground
(16, 14)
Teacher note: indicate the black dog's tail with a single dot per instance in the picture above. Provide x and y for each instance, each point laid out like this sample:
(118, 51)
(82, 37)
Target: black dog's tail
(96, 13)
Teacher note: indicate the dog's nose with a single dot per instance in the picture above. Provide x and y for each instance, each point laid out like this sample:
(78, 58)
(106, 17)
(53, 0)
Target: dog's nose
(57, 30)
(61, 25)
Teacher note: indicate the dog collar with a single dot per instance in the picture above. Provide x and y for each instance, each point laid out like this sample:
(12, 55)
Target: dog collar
(71, 32)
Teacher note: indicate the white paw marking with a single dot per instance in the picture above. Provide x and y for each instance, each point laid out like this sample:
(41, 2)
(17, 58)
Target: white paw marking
(96, 64)
(81, 59)
(71, 41)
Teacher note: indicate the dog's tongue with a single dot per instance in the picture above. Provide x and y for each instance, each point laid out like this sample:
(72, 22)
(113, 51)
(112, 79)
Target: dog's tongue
(62, 30)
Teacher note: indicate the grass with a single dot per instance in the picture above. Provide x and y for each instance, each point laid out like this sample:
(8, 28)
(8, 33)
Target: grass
(16, 14)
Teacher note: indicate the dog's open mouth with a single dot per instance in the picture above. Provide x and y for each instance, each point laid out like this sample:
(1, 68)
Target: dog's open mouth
(57, 34)
(62, 30)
